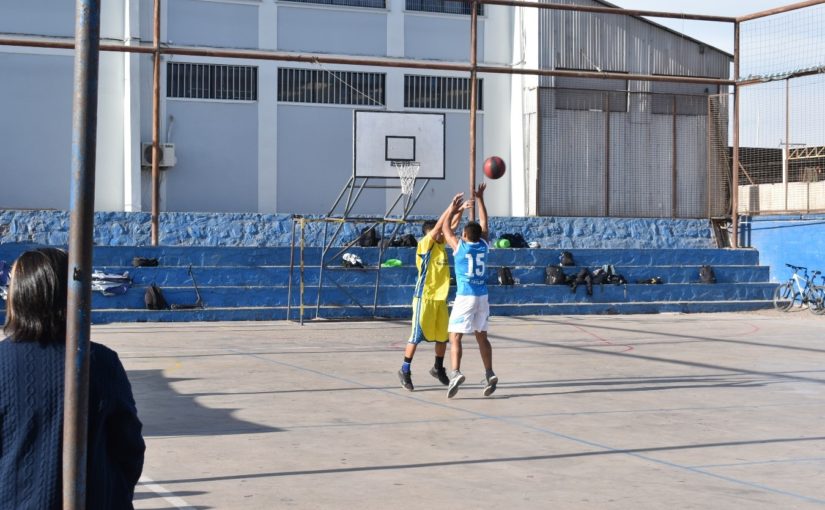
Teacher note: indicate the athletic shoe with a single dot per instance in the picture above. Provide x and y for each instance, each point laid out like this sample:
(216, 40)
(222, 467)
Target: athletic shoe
(455, 382)
(406, 380)
(490, 385)
(441, 375)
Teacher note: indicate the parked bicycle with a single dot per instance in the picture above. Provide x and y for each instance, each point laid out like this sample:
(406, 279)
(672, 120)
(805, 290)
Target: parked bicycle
(800, 290)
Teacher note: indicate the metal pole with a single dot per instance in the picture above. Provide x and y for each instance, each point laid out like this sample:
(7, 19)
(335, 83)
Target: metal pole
(82, 200)
(674, 175)
(473, 99)
(606, 153)
(734, 198)
(301, 264)
(779, 10)
(156, 125)
(291, 270)
(786, 152)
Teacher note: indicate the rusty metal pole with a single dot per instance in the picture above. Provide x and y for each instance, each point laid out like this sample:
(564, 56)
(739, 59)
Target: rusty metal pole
(674, 188)
(79, 300)
(734, 192)
(473, 99)
(156, 125)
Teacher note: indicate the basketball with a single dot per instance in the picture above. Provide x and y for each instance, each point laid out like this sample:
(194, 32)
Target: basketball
(494, 167)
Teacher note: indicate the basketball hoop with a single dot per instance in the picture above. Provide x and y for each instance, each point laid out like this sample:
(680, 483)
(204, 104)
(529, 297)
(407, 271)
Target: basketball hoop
(407, 171)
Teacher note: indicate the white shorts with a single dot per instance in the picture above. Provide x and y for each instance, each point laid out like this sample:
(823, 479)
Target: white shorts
(469, 314)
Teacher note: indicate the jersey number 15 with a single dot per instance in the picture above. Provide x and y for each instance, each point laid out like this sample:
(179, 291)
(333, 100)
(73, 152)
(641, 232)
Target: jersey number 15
(475, 265)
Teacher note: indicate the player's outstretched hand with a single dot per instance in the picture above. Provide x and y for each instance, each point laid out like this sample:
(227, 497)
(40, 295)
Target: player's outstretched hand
(456, 202)
(479, 193)
(468, 204)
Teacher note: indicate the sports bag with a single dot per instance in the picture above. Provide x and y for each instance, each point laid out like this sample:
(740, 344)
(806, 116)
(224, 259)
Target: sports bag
(368, 237)
(553, 275)
(154, 298)
(706, 274)
(566, 259)
(505, 276)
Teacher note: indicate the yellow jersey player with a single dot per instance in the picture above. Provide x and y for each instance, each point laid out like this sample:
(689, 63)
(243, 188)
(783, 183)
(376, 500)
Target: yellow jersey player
(429, 305)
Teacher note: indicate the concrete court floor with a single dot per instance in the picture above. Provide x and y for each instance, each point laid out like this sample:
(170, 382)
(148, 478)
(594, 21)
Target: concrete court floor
(710, 411)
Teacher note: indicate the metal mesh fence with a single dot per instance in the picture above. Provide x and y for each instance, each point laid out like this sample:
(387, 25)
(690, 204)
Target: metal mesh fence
(627, 154)
(782, 136)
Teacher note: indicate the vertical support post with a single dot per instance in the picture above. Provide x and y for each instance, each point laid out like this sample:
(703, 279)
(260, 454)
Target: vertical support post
(301, 263)
(473, 98)
(710, 125)
(674, 204)
(291, 270)
(607, 153)
(734, 197)
(786, 151)
(156, 124)
(79, 301)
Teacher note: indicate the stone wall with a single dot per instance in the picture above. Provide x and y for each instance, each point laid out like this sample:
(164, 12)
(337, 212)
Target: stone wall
(252, 229)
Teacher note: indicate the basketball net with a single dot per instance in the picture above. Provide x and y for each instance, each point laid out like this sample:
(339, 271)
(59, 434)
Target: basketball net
(407, 172)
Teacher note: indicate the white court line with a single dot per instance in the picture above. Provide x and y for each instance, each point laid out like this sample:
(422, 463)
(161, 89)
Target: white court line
(165, 494)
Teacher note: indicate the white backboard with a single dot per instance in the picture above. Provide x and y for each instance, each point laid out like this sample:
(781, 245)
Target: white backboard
(379, 138)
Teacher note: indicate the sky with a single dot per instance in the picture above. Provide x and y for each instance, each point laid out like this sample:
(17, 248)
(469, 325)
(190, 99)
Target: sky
(719, 35)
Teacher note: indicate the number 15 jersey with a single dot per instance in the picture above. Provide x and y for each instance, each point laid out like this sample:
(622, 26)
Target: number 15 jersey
(470, 261)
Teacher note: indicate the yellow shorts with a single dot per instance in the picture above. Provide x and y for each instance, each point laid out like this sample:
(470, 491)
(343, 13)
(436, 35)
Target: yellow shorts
(430, 319)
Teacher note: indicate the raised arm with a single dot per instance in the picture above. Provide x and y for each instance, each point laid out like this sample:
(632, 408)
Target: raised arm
(455, 208)
(482, 210)
(436, 233)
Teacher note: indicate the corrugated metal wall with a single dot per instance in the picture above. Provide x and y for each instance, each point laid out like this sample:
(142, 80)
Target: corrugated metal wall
(653, 159)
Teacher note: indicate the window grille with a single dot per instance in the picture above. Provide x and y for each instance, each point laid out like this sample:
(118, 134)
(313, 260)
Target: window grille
(445, 6)
(588, 94)
(211, 81)
(688, 98)
(331, 87)
(440, 92)
(378, 4)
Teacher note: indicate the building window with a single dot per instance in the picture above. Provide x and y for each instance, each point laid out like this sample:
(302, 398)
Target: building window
(445, 6)
(331, 87)
(686, 98)
(378, 4)
(440, 92)
(591, 94)
(211, 81)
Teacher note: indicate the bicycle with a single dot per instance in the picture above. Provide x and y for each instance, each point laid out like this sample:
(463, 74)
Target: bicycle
(799, 290)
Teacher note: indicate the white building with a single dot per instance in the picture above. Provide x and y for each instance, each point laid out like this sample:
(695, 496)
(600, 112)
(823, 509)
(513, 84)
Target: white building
(267, 136)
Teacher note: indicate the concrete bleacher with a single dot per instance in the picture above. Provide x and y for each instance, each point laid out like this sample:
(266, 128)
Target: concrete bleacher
(253, 283)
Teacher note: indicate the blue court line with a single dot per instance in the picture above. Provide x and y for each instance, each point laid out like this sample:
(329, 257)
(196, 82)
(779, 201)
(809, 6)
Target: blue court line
(511, 421)
(758, 462)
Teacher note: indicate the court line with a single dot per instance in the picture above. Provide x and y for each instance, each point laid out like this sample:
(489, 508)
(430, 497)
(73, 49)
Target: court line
(167, 495)
(550, 432)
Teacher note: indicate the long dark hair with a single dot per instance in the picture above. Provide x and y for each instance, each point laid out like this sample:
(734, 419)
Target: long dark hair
(36, 305)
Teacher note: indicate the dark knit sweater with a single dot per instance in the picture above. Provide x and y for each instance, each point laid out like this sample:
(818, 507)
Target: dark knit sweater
(31, 428)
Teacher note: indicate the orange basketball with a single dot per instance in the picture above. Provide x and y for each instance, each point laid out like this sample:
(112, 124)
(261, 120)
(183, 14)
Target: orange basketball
(494, 167)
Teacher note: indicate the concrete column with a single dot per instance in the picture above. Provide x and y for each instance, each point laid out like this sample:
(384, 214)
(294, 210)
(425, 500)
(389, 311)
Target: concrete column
(268, 109)
(395, 28)
(131, 109)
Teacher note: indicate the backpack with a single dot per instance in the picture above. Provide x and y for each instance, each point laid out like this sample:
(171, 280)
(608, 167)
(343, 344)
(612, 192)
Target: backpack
(144, 262)
(505, 276)
(516, 240)
(154, 298)
(368, 237)
(566, 259)
(408, 240)
(553, 275)
(583, 276)
(599, 276)
(706, 274)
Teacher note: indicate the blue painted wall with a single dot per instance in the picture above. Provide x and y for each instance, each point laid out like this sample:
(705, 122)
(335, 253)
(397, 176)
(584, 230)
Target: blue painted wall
(797, 240)
(253, 229)
(330, 30)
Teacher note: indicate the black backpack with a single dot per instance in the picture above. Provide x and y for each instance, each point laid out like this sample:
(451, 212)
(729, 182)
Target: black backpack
(584, 277)
(706, 274)
(505, 276)
(516, 240)
(368, 237)
(154, 298)
(566, 259)
(408, 240)
(144, 262)
(553, 275)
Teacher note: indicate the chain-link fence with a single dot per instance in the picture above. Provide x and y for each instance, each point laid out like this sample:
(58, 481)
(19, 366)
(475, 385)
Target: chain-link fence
(629, 154)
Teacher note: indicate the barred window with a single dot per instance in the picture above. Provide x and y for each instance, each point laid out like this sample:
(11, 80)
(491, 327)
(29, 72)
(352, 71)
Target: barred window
(331, 87)
(687, 98)
(591, 94)
(445, 6)
(211, 81)
(440, 92)
(378, 4)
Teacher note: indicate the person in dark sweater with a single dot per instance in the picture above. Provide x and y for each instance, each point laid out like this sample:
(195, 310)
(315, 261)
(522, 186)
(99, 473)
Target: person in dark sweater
(32, 359)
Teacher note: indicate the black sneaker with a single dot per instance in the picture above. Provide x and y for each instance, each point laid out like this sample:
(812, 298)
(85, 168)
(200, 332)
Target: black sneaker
(406, 380)
(455, 382)
(489, 385)
(441, 375)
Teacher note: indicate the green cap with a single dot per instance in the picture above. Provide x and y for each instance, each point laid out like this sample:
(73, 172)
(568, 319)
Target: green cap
(391, 263)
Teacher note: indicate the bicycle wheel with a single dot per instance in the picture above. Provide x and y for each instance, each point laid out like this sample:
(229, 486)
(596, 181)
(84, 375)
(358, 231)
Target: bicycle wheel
(816, 300)
(784, 297)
